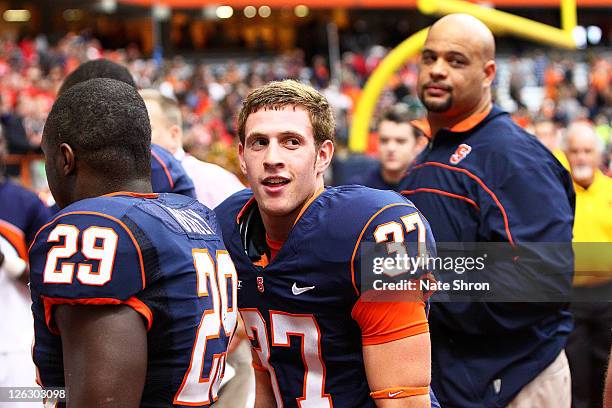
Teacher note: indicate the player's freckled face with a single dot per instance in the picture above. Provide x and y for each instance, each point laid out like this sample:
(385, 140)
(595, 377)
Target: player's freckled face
(279, 159)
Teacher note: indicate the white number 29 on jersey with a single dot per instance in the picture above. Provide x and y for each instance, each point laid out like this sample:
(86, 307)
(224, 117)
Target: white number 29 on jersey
(195, 390)
(219, 273)
(105, 253)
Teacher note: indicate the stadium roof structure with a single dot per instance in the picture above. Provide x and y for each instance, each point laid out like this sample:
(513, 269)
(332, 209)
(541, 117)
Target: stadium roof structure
(355, 3)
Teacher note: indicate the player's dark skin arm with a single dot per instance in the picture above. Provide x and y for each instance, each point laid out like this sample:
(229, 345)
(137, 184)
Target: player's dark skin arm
(105, 355)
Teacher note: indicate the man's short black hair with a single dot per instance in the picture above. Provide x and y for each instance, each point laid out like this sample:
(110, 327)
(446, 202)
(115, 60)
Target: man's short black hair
(106, 123)
(100, 68)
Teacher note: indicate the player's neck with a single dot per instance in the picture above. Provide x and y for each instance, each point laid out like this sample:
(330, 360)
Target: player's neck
(441, 121)
(85, 190)
(392, 176)
(279, 227)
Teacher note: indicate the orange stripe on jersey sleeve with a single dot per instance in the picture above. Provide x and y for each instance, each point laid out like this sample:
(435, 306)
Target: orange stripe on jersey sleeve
(16, 237)
(140, 307)
(384, 321)
(133, 302)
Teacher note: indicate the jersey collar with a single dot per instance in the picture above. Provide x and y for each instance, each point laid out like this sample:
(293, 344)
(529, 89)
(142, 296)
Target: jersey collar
(251, 200)
(131, 194)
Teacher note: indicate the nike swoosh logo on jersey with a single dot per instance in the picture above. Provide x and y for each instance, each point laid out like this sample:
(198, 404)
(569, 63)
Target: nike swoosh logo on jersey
(298, 291)
(394, 394)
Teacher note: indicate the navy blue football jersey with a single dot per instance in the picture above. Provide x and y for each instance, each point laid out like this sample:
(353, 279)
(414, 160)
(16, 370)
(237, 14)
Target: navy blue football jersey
(298, 309)
(168, 175)
(163, 256)
(22, 213)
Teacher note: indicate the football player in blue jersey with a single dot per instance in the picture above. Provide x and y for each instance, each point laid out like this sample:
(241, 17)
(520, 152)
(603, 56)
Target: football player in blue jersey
(134, 294)
(167, 173)
(316, 341)
(22, 213)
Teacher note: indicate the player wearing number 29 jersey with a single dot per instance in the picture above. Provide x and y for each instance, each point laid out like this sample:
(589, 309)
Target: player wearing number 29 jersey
(133, 294)
(159, 255)
(301, 302)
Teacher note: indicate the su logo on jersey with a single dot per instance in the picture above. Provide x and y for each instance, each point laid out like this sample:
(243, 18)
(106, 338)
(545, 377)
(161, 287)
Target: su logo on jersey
(461, 153)
(260, 286)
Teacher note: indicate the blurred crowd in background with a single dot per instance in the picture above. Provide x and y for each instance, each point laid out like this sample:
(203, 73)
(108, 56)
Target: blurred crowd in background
(538, 86)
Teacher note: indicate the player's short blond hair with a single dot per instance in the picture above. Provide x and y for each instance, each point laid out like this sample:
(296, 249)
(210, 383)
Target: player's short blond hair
(169, 107)
(280, 94)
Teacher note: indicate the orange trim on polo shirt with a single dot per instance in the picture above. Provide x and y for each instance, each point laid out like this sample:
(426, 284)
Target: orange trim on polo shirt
(471, 121)
(463, 126)
(423, 126)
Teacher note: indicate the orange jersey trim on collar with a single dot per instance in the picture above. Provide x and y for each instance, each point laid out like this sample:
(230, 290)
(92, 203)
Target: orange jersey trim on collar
(275, 246)
(131, 194)
(463, 126)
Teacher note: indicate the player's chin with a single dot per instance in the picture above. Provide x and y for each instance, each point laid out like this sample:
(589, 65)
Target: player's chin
(277, 208)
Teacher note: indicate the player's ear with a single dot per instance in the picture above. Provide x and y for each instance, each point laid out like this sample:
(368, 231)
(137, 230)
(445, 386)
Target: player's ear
(241, 158)
(324, 156)
(489, 70)
(176, 133)
(68, 161)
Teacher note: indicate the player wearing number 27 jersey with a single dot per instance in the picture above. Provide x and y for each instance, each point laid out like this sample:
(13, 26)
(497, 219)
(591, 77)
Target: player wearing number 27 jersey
(298, 250)
(158, 255)
(301, 304)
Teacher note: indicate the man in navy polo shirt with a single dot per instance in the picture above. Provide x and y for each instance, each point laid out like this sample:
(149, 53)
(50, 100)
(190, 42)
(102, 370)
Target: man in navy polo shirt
(483, 179)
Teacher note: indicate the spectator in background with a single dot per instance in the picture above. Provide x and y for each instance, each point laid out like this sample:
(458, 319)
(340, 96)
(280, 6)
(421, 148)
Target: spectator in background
(213, 184)
(517, 81)
(398, 144)
(23, 127)
(21, 215)
(589, 344)
(484, 179)
(547, 132)
(167, 174)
